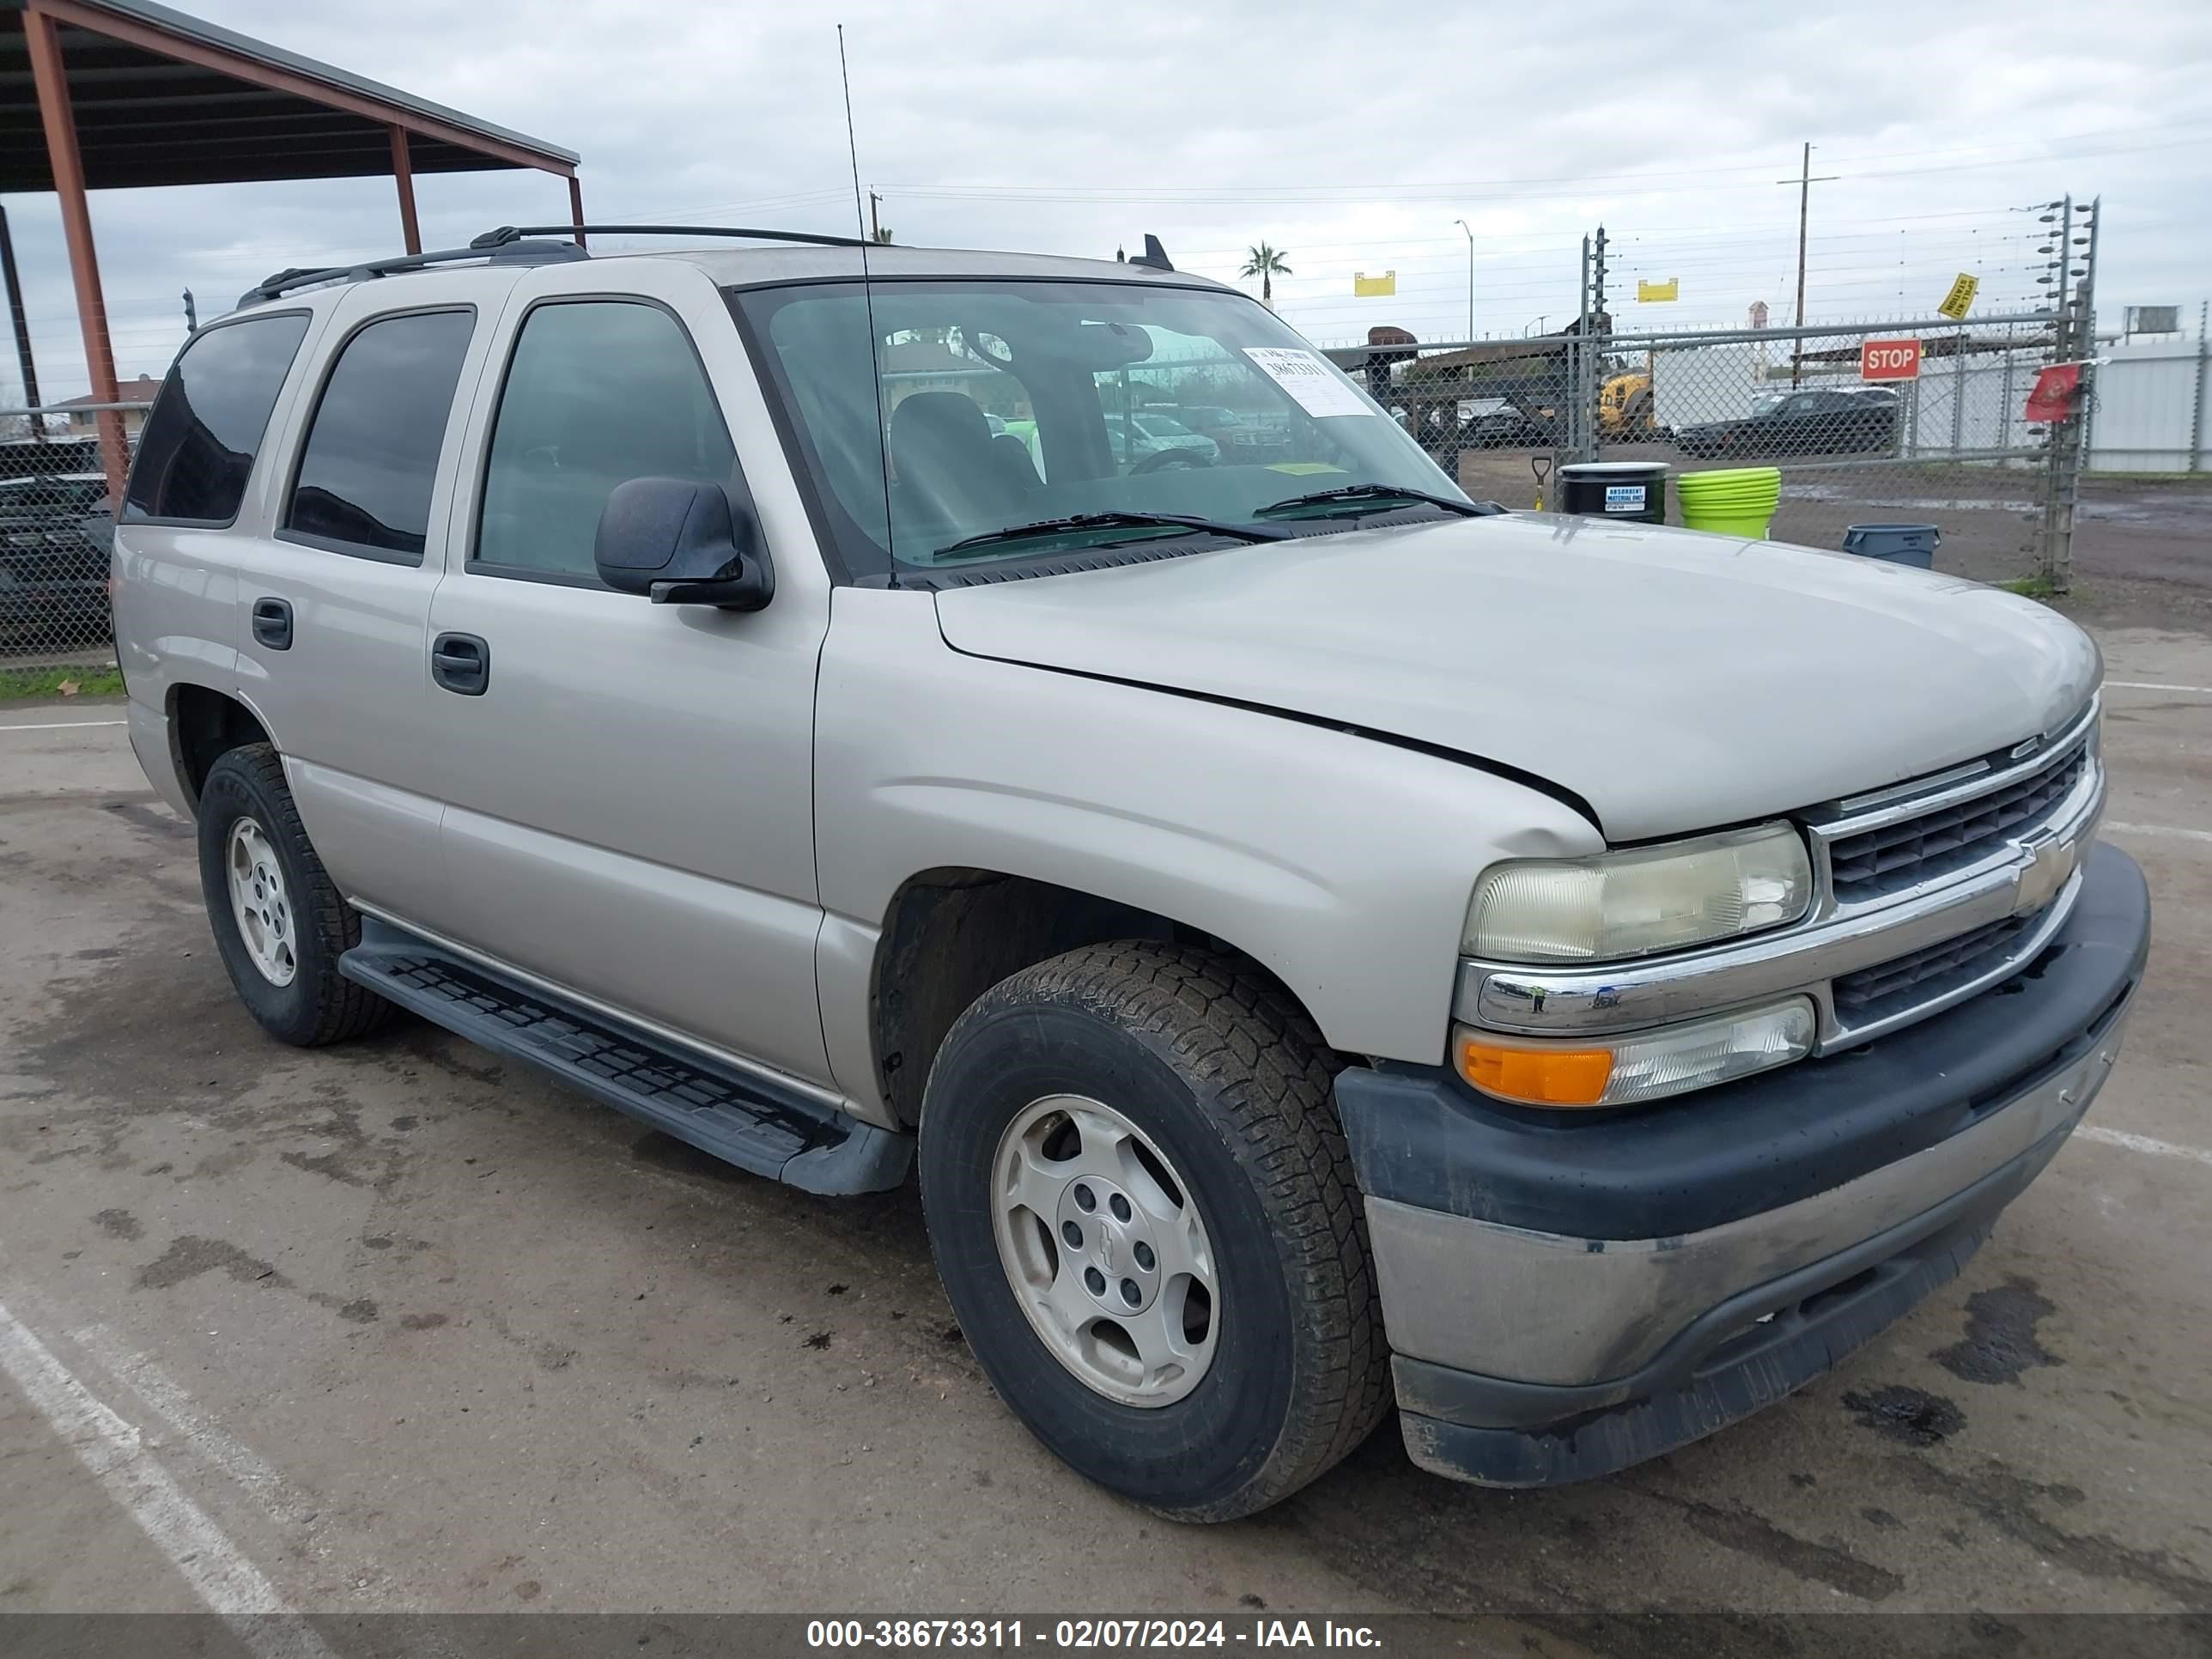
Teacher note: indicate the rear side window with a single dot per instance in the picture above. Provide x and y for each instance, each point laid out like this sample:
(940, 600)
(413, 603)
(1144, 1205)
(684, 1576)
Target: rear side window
(370, 458)
(198, 449)
(598, 392)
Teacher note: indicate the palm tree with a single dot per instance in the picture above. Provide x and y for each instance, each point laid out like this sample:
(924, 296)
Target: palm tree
(1266, 264)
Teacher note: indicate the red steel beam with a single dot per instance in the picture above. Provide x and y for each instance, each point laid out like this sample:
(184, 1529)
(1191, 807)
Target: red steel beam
(149, 37)
(576, 208)
(402, 171)
(49, 76)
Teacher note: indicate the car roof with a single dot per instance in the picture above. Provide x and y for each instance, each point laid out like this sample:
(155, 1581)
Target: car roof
(748, 265)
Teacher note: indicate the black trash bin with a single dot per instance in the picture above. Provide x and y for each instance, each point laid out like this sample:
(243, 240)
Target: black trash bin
(1634, 490)
(1897, 544)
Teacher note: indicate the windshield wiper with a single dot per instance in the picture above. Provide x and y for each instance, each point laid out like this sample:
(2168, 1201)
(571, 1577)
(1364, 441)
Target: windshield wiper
(1079, 521)
(1362, 494)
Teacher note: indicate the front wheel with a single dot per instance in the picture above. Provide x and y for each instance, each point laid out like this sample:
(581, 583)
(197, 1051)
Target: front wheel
(1143, 1212)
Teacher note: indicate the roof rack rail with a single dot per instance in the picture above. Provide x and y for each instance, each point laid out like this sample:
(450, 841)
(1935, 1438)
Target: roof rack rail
(513, 250)
(507, 234)
(508, 245)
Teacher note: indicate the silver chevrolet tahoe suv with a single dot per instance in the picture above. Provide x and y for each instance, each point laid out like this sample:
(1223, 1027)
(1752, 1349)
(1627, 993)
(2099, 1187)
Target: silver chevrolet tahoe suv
(1320, 945)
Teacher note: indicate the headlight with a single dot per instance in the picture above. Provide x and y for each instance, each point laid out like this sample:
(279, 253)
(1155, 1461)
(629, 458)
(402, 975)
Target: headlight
(1632, 903)
(1643, 1065)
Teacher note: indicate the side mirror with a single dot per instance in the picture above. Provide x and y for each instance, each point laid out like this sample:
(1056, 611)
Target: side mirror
(683, 543)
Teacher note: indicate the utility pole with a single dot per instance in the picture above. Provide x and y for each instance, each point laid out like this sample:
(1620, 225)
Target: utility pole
(876, 231)
(1599, 313)
(1464, 226)
(1804, 181)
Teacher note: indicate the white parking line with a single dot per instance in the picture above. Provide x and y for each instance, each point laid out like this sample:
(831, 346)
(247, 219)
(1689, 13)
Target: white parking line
(155, 1386)
(2142, 1144)
(2151, 685)
(60, 725)
(2158, 830)
(217, 1571)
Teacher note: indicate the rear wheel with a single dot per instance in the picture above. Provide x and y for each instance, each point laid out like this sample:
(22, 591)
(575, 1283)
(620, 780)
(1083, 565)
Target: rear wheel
(279, 922)
(1142, 1209)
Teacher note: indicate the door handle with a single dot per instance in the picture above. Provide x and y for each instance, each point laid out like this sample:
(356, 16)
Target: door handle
(272, 623)
(461, 663)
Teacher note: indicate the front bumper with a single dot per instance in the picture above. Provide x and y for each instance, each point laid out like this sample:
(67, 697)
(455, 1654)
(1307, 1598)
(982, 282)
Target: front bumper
(1567, 1295)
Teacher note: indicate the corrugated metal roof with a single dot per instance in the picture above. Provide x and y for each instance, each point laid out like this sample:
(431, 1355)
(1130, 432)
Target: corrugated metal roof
(144, 116)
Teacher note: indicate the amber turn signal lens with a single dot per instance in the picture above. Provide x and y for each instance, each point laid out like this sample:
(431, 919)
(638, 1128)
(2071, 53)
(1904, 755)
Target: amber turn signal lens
(1541, 1076)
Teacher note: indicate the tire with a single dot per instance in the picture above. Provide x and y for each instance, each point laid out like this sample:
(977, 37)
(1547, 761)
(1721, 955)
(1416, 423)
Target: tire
(1230, 1083)
(317, 1004)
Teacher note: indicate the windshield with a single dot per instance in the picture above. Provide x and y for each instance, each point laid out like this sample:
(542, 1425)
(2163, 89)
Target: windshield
(1006, 403)
(1769, 403)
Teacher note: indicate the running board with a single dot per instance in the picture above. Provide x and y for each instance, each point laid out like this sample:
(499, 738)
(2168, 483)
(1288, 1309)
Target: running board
(741, 1119)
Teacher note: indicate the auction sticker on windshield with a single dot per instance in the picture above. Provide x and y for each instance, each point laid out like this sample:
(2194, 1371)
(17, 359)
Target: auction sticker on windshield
(1307, 379)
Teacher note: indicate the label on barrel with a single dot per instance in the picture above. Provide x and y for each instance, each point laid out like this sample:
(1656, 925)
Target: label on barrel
(1624, 498)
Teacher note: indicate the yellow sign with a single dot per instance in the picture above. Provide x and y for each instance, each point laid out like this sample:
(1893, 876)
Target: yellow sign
(1365, 286)
(1960, 300)
(1669, 290)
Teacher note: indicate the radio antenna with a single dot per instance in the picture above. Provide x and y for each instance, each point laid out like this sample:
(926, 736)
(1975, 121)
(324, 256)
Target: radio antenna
(868, 300)
(851, 144)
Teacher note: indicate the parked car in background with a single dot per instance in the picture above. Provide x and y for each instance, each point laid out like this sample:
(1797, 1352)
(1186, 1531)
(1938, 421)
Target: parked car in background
(56, 535)
(1153, 441)
(1322, 946)
(1243, 441)
(1496, 423)
(1822, 420)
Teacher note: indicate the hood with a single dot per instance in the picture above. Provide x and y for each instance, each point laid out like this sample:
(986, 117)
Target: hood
(1673, 680)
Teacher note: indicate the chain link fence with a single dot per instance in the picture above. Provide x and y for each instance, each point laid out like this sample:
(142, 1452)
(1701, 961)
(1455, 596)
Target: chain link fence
(57, 534)
(1914, 420)
(1938, 436)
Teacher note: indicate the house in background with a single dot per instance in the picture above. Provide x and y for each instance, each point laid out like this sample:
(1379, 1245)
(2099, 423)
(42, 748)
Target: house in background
(137, 395)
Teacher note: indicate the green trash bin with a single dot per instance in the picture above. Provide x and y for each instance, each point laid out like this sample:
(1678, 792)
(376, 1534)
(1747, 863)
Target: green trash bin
(1730, 501)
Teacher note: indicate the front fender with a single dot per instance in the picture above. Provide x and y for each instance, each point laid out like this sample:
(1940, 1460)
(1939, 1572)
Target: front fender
(1341, 863)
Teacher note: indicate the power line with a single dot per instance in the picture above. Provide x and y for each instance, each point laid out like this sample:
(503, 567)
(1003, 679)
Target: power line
(1257, 197)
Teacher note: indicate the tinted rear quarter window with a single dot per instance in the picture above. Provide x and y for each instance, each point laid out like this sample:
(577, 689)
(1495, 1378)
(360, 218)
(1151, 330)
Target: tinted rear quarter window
(371, 458)
(196, 453)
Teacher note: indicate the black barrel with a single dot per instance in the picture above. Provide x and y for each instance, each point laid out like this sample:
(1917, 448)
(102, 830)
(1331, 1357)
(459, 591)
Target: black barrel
(1635, 490)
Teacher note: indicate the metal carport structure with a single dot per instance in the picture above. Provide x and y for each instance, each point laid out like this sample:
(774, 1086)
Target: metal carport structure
(99, 95)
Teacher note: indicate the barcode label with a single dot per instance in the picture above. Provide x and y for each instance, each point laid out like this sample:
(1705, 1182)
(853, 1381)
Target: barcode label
(1313, 386)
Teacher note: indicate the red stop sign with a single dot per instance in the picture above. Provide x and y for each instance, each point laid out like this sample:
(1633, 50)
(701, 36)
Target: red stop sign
(1889, 359)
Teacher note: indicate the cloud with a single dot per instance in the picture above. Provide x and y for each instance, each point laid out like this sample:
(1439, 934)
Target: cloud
(1352, 137)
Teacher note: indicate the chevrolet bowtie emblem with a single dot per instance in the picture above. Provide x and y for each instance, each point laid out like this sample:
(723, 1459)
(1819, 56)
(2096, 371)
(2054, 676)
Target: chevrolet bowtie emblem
(2049, 863)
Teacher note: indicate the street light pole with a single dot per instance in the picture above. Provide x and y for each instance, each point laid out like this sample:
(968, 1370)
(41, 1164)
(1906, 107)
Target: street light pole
(1463, 225)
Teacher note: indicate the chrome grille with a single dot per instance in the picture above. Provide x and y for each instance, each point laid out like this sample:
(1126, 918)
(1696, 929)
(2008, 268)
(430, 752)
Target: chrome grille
(1890, 988)
(1882, 860)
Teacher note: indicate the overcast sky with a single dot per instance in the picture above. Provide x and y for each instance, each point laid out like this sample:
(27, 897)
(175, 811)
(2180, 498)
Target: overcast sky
(1351, 142)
